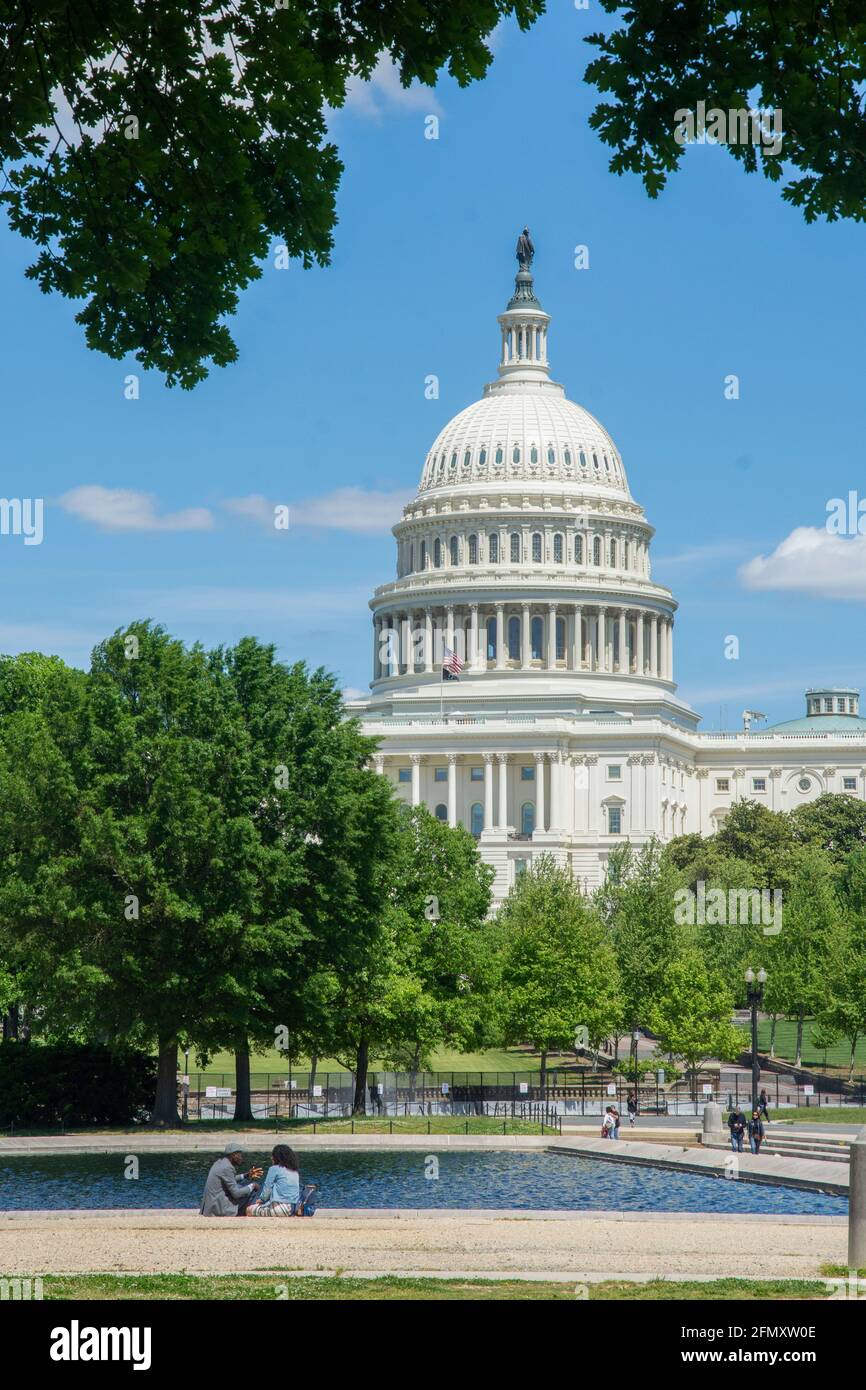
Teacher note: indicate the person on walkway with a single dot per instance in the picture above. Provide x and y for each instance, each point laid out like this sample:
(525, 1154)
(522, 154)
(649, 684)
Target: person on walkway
(227, 1193)
(763, 1106)
(608, 1124)
(631, 1107)
(756, 1131)
(281, 1190)
(737, 1126)
(615, 1112)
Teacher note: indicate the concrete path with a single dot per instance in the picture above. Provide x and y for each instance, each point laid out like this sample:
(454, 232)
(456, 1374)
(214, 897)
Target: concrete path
(578, 1245)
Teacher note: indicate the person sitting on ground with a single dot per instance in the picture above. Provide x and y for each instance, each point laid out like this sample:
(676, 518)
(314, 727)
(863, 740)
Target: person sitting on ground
(227, 1193)
(756, 1131)
(737, 1126)
(282, 1186)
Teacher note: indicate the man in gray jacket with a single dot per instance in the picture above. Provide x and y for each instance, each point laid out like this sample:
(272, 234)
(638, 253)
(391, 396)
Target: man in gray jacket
(227, 1193)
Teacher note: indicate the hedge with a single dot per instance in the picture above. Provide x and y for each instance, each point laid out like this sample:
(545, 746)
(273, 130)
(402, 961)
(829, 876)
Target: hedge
(49, 1084)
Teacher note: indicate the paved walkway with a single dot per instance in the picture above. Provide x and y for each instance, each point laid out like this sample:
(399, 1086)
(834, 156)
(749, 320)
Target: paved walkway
(578, 1245)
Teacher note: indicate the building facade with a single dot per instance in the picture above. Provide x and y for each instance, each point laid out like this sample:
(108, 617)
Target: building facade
(523, 563)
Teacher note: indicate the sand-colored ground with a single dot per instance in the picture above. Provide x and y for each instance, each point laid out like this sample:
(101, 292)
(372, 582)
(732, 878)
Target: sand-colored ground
(585, 1244)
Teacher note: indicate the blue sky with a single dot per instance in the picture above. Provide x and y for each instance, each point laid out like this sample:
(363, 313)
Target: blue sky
(718, 276)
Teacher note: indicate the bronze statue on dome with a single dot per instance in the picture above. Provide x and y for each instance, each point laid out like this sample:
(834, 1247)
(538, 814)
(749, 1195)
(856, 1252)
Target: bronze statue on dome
(525, 249)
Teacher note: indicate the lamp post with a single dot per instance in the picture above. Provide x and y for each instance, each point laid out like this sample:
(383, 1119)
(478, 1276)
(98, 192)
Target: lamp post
(755, 997)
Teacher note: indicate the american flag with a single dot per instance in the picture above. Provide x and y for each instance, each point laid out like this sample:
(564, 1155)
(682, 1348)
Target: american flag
(451, 665)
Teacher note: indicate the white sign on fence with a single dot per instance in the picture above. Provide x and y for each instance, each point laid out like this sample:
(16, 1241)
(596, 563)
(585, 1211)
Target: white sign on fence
(445, 1088)
(707, 1090)
(524, 1087)
(611, 1088)
(215, 1092)
(317, 1090)
(808, 1090)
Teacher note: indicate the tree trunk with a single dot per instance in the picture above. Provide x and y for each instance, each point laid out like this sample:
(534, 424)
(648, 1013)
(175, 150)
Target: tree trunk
(359, 1105)
(773, 1037)
(616, 1049)
(799, 1057)
(413, 1074)
(853, 1056)
(314, 1062)
(165, 1104)
(243, 1107)
(543, 1077)
(10, 1024)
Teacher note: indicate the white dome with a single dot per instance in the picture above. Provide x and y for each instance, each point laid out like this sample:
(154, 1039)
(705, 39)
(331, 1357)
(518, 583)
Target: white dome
(525, 432)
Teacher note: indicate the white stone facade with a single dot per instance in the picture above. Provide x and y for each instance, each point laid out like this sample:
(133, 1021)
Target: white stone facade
(526, 555)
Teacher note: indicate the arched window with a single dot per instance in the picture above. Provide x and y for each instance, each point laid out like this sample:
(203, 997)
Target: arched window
(515, 547)
(527, 818)
(551, 456)
(536, 547)
(473, 550)
(493, 548)
(453, 464)
(411, 559)
(514, 639)
(578, 550)
(568, 458)
(476, 819)
(582, 459)
(499, 454)
(452, 546)
(533, 455)
(441, 812)
(437, 554)
(515, 454)
(560, 639)
(441, 464)
(491, 639)
(613, 555)
(596, 550)
(482, 458)
(536, 629)
(595, 462)
(557, 549)
(625, 555)
(423, 555)
(467, 458)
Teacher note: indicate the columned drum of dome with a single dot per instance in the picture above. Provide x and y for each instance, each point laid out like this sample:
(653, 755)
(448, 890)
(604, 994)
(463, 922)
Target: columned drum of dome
(524, 553)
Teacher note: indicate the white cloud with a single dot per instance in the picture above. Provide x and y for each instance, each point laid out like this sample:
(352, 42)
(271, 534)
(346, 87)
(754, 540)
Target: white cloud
(811, 561)
(703, 554)
(352, 693)
(352, 509)
(122, 509)
(384, 91)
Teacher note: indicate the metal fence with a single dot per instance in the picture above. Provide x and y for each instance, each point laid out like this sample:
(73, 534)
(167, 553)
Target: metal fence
(275, 1095)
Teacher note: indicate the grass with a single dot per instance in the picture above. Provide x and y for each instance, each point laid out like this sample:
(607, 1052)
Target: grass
(822, 1115)
(278, 1286)
(836, 1058)
(492, 1059)
(368, 1124)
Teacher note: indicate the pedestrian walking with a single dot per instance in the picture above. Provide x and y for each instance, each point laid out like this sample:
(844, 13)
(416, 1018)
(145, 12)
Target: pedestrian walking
(631, 1107)
(756, 1131)
(737, 1127)
(763, 1104)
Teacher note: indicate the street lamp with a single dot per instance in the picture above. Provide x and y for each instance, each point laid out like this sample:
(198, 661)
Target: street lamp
(754, 998)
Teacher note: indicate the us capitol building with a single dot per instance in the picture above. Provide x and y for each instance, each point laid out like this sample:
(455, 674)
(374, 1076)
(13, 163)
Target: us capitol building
(525, 554)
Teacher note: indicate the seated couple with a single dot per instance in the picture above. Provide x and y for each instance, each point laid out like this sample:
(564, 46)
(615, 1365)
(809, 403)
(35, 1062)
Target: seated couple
(229, 1194)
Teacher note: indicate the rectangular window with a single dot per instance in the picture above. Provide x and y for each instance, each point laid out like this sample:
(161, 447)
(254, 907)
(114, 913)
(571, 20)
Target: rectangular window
(723, 784)
(850, 784)
(440, 774)
(759, 784)
(527, 774)
(476, 774)
(405, 774)
(614, 772)
(520, 867)
(614, 820)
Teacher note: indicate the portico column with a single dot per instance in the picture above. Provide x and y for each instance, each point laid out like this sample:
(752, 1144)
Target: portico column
(602, 639)
(639, 641)
(654, 645)
(473, 662)
(428, 639)
(379, 762)
(578, 637)
(555, 791)
(540, 823)
(404, 656)
(415, 759)
(452, 788)
(488, 791)
(500, 637)
(551, 637)
(449, 626)
(526, 644)
(375, 649)
(623, 643)
(670, 649)
(502, 759)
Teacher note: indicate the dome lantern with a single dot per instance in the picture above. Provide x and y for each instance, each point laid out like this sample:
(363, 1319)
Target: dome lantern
(524, 324)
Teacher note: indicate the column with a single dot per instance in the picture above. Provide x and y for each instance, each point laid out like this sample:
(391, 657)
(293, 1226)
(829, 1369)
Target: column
(449, 626)
(526, 643)
(654, 645)
(376, 649)
(578, 637)
(602, 639)
(670, 649)
(540, 823)
(639, 641)
(623, 643)
(555, 791)
(415, 759)
(551, 637)
(452, 788)
(428, 639)
(502, 759)
(404, 656)
(500, 637)
(488, 791)
(593, 809)
(379, 762)
(473, 663)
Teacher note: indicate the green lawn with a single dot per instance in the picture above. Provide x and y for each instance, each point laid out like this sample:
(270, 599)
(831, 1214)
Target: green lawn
(493, 1059)
(278, 1286)
(825, 1115)
(813, 1056)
